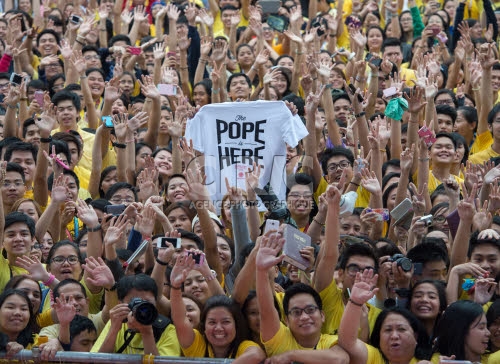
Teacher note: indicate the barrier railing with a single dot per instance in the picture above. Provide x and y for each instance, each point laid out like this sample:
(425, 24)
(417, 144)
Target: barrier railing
(79, 357)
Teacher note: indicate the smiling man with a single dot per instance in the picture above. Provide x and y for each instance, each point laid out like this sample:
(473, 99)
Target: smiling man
(442, 154)
(239, 86)
(13, 186)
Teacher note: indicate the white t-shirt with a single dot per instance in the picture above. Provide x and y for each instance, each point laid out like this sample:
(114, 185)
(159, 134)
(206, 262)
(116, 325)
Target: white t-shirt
(232, 135)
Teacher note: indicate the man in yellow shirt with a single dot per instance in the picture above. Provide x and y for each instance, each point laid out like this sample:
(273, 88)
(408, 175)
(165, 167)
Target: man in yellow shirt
(493, 150)
(392, 50)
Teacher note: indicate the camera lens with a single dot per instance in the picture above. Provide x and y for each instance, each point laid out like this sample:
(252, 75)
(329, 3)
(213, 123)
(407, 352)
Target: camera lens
(143, 311)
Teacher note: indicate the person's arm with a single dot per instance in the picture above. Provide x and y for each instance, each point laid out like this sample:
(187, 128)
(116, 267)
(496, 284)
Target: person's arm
(252, 182)
(205, 48)
(149, 90)
(80, 66)
(117, 20)
(329, 252)
(65, 311)
(58, 196)
(103, 34)
(487, 60)
(466, 212)
(10, 102)
(95, 173)
(173, 14)
(245, 280)
(361, 292)
(121, 132)
(164, 258)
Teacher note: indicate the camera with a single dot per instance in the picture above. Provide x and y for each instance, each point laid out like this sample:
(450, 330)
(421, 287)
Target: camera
(143, 311)
(427, 220)
(402, 261)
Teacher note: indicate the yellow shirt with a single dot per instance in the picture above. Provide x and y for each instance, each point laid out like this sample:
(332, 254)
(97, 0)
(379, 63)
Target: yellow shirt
(94, 303)
(52, 331)
(484, 359)
(333, 306)
(482, 142)
(483, 156)
(219, 26)
(284, 341)
(494, 358)
(363, 195)
(433, 182)
(375, 356)
(167, 345)
(8, 271)
(198, 348)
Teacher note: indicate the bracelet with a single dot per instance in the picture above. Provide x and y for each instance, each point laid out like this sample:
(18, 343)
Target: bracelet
(360, 79)
(184, 68)
(354, 183)
(130, 141)
(119, 145)
(81, 43)
(12, 106)
(82, 77)
(212, 276)
(146, 237)
(160, 262)
(252, 203)
(423, 159)
(351, 56)
(102, 30)
(215, 91)
(374, 75)
(362, 113)
(94, 229)
(355, 303)
(317, 222)
(332, 35)
(112, 288)
(476, 89)
(65, 347)
(383, 150)
(203, 60)
(49, 281)
(23, 99)
(174, 287)
(46, 140)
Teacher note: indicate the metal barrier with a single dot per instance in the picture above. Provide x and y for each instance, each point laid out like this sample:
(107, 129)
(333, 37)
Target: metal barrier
(79, 357)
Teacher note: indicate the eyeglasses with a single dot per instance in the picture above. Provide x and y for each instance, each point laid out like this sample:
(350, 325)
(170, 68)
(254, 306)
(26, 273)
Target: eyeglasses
(3, 86)
(297, 312)
(36, 246)
(89, 58)
(72, 259)
(7, 184)
(352, 269)
(332, 167)
(266, 29)
(440, 219)
(444, 102)
(296, 196)
(122, 200)
(56, 88)
(53, 65)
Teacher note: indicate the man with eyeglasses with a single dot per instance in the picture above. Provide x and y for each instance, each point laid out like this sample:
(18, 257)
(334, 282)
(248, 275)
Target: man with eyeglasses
(13, 185)
(301, 340)
(4, 83)
(300, 199)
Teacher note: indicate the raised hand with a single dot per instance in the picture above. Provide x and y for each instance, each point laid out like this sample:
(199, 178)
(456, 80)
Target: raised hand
(59, 188)
(466, 207)
(140, 119)
(173, 12)
(369, 181)
(219, 51)
(206, 17)
(120, 126)
(98, 273)
(34, 267)
(116, 230)
(183, 265)
(332, 197)
(65, 49)
(65, 309)
(267, 256)
(235, 194)
(147, 183)
(415, 100)
(87, 214)
(148, 88)
(365, 287)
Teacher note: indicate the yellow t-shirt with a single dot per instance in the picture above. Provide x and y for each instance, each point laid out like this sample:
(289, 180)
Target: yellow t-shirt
(484, 359)
(482, 142)
(8, 271)
(363, 195)
(284, 341)
(494, 358)
(52, 331)
(375, 356)
(95, 300)
(485, 155)
(333, 307)
(198, 348)
(219, 26)
(167, 345)
(433, 182)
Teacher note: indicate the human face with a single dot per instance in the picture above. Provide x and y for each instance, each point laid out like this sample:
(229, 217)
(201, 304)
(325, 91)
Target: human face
(72, 189)
(267, 33)
(304, 326)
(494, 127)
(495, 80)
(83, 243)
(165, 119)
(495, 334)
(477, 338)
(436, 22)
(374, 40)
(486, 256)
(394, 54)
(123, 196)
(33, 135)
(80, 302)
(193, 312)
(73, 151)
(127, 84)
(406, 22)
(286, 63)
(273, 95)
(425, 302)
(226, 17)
(12, 188)
(253, 316)
(96, 84)
(66, 115)
(336, 79)
(28, 208)
(177, 189)
(434, 270)
(140, 159)
(163, 161)
(444, 99)
(25, 160)
(220, 327)
(245, 56)
(462, 126)
(65, 270)
(280, 83)
(200, 96)
(118, 107)
(476, 31)
(350, 225)
(379, 105)
(238, 88)
(92, 59)
(195, 285)
(47, 243)
(224, 254)
(445, 123)
(299, 201)
(179, 220)
(108, 181)
(397, 339)
(47, 45)
(341, 108)
(84, 341)
(335, 166)
(359, 262)
(32, 290)
(442, 151)
(14, 316)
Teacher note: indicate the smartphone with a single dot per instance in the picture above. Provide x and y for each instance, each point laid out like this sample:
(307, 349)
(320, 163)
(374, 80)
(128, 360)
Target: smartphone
(166, 89)
(277, 23)
(383, 214)
(199, 259)
(16, 79)
(75, 19)
(425, 133)
(442, 37)
(271, 225)
(171, 54)
(39, 97)
(321, 29)
(352, 20)
(161, 242)
(403, 214)
(349, 239)
(390, 92)
(115, 210)
(353, 90)
(376, 61)
(269, 6)
(107, 121)
(135, 50)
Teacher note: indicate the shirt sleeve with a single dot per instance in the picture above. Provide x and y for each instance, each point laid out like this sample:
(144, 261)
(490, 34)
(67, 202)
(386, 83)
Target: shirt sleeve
(293, 129)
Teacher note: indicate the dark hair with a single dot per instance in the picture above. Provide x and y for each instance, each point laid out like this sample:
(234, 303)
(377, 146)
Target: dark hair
(66, 172)
(241, 329)
(297, 101)
(14, 167)
(253, 294)
(61, 148)
(448, 92)
(118, 38)
(185, 206)
(447, 135)
(52, 80)
(470, 115)
(66, 282)
(15, 281)
(206, 83)
(423, 348)
(36, 84)
(21, 147)
(429, 250)
(391, 42)
(47, 31)
(491, 315)
(441, 290)
(64, 95)
(334, 152)
(89, 48)
(360, 249)
(60, 244)
(19, 217)
(300, 288)
(298, 179)
(139, 282)
(98, 70)
(104, 174)
(493, 112)
(192, 236)
(460, 140)
(119, 186)
(474, 242)
(69, 138)
(447, 110)
(234, 75)
(454, 326)
(25, 337)
(80, 324)
(390, 163)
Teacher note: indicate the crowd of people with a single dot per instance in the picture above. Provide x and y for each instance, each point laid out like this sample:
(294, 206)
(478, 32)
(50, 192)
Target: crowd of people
(144, 146)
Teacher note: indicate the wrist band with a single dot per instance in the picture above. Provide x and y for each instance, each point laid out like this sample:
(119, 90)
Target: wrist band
(119, 145)
(174, 287)
(160, 262)
(317, 222)
(362, 113)
(354, 183)
(23, 99)
(81, 43)
(46, 140)
(130, 141)
(94, 229)
(251, 203)
(49, 281)
(84, 76)
(12, 106)
(146, 237)
(355, 303)
(215, 91)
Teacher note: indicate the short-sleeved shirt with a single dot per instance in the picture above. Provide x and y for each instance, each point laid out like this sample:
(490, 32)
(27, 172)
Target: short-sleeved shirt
(375, 356)
(485, 155)
(200, 349)
(8, 271)
(482, 142)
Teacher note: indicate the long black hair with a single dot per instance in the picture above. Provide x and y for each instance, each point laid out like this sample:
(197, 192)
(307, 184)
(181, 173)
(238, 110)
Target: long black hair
(25, 337)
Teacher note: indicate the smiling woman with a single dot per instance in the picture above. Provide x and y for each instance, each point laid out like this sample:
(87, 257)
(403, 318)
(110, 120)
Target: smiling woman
(16, 317)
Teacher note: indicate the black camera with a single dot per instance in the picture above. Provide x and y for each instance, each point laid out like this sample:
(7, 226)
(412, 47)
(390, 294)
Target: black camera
(402, 261)
(143, 311)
